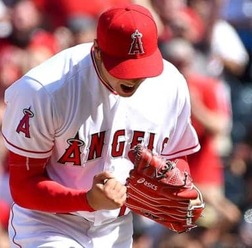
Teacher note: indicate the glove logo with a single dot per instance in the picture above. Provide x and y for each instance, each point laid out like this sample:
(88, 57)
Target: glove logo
(147, 184)
(141, 180)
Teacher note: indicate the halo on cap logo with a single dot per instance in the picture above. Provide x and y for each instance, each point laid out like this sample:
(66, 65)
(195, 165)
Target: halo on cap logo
(136, 46)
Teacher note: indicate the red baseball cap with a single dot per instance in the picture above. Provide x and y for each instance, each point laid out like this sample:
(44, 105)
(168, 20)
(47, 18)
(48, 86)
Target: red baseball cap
(128, 39)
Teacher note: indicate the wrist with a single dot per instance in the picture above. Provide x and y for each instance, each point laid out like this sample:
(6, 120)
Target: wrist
(89, 208)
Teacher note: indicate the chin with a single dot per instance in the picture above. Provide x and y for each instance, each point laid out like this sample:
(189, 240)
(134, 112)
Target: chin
(124, 94)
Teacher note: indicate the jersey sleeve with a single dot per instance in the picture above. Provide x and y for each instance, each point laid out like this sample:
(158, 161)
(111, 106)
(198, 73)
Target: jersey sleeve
(29, 121)
(183, 140)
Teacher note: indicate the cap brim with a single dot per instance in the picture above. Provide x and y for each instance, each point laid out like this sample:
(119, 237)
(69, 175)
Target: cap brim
(144, 67)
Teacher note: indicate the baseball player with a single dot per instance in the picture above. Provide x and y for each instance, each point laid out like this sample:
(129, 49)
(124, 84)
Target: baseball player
(70, 123)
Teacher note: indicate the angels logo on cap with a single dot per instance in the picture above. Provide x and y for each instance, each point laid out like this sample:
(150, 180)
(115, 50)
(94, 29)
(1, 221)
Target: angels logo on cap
(128, 40)
(136, 45)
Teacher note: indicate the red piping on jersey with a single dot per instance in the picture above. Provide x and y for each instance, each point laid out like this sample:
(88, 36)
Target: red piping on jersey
(21, 149)
(98, 73)
(14, 230)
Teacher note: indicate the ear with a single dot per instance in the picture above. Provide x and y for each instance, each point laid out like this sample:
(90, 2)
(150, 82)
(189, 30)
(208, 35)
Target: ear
(97, 50)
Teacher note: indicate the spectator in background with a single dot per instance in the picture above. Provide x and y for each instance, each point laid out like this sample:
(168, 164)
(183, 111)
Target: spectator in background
(239, 15)
(79, 29)
(211, 118)
(58, 12)
(41, 47)
(83, 28)
(183, 240)
(240, 180)
(18, 49)
(5, 25)
(221, 43)
(178, 20)
(225, 56)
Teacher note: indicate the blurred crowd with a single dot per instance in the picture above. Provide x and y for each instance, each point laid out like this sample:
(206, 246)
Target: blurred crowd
(210, 42)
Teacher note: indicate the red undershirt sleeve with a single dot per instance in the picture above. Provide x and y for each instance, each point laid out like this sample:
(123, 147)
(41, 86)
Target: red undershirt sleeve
(32, 188)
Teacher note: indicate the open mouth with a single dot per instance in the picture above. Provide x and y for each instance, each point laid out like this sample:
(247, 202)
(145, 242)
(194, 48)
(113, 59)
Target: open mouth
(127, 88)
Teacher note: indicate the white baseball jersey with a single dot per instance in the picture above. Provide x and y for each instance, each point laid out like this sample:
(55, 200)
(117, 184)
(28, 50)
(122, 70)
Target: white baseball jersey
(62, 109)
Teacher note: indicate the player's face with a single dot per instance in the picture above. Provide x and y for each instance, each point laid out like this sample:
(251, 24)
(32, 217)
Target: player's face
(123, 87)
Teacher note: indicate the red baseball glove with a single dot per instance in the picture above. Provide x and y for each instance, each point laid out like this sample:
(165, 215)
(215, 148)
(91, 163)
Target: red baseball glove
(162, 190)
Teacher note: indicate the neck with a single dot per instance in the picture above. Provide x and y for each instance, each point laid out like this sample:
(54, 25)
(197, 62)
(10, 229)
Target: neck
(98, 66)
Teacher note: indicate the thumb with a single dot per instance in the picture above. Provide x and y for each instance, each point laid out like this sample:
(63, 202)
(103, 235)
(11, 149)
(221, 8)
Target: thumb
(102, 177)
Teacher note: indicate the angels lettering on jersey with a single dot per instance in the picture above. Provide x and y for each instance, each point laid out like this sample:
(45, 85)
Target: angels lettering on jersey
(94, 146)
(74, 149)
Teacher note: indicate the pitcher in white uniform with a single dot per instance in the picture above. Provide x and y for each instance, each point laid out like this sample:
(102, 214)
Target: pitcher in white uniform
(70, 123)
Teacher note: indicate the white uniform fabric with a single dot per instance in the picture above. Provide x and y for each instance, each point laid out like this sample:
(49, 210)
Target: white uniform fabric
(33, 229)
(63, 110)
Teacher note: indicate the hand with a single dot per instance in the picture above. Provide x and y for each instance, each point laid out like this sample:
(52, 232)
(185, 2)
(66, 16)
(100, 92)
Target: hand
(106, 192)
